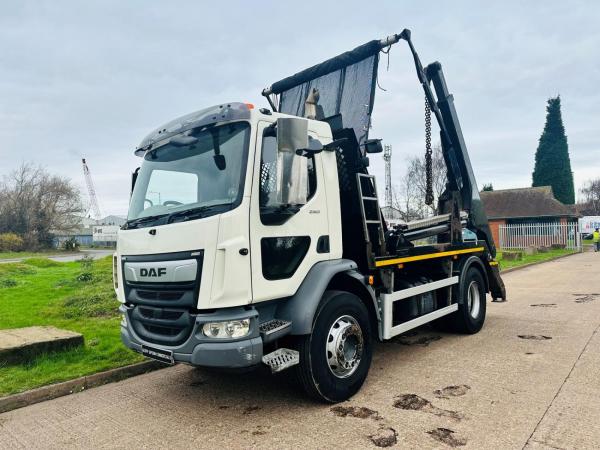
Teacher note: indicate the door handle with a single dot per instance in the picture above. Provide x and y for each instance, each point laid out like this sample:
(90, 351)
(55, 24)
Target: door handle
(243, 251)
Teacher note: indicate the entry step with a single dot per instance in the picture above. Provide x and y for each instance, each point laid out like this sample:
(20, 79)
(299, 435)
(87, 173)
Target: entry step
(19, 345)
(281, 359)
(274, 329)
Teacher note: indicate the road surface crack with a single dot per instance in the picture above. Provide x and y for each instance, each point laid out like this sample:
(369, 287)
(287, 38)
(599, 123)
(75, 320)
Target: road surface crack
(562, 385)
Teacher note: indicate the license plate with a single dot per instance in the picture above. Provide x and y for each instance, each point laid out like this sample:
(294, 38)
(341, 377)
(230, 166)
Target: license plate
(165, 356)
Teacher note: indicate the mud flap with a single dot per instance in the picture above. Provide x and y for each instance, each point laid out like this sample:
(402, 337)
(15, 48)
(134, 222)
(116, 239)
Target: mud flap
(497, 288)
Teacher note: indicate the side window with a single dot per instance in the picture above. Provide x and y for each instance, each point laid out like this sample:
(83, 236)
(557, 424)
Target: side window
(281, 256)
(268, 175)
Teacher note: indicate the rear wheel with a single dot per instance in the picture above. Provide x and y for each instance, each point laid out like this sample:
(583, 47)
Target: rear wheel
(335, 358)
(470, 316)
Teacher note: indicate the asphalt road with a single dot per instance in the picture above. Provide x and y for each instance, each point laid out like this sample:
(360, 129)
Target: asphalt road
(530, 379)
(94, 253)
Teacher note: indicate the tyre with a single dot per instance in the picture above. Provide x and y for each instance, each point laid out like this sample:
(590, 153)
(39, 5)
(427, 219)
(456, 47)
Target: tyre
(335, 358)
(470, 316)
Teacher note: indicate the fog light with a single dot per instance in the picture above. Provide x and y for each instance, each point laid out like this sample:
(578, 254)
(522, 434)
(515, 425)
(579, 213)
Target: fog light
(123, 320)
(231, 329)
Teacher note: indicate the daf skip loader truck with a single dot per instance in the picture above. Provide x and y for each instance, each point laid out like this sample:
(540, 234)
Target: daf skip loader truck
(255, 236)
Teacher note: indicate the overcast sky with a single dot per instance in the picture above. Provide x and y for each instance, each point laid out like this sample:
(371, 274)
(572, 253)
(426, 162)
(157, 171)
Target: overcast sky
(93, 78)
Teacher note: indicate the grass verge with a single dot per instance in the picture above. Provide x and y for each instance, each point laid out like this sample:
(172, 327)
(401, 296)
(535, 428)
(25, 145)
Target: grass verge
(77, 296)
(528, 259)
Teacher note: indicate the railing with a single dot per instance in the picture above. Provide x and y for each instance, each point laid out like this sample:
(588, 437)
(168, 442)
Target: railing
(524, 235)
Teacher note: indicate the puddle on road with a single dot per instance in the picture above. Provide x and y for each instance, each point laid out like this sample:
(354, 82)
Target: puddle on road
(250, 409)
(360, 412)
(385, 437)
(413, 402)
(448, 437)
(416, 338)
(452, 391)
(535, 337)
(586, 298)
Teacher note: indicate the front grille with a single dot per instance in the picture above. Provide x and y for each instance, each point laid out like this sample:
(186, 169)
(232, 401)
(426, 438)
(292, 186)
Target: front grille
(160, 295)
(165, 331)
(159, 313)
(161, 325)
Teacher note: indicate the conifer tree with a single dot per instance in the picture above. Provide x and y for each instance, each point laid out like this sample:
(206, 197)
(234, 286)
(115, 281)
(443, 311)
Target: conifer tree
(552, 163)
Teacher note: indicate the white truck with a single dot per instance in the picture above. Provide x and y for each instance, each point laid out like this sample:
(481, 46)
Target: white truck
(254, 236)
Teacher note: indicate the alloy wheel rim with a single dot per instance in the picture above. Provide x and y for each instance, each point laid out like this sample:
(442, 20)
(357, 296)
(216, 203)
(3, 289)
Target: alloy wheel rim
(344, 347)
(473, 299)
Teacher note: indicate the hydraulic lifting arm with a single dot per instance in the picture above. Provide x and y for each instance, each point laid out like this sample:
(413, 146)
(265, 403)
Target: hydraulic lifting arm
(460, 173)
(462, 186)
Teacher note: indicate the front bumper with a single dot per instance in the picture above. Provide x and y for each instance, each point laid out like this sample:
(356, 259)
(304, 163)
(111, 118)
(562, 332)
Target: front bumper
(199, 350)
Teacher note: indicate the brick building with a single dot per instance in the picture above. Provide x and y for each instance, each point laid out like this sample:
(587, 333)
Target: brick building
(525, 206)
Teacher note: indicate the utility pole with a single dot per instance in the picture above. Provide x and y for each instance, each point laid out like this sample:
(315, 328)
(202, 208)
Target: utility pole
(387, 157)
(91, 191)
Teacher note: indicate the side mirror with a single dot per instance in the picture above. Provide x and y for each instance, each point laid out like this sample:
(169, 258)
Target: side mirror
(373, 146)
(220, 161)
(134, 176)
(292, 170)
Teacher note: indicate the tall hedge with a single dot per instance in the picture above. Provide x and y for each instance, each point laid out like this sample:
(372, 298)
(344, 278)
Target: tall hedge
(552, 163)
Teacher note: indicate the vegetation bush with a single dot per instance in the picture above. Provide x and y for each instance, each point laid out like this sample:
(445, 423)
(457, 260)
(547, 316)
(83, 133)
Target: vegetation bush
(8, 282)
(71, 244)
(10, 242)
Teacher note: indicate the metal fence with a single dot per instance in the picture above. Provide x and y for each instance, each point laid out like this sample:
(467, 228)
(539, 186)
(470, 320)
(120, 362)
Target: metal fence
(524, 235)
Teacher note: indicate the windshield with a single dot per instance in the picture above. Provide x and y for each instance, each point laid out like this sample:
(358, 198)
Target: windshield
(199, 171)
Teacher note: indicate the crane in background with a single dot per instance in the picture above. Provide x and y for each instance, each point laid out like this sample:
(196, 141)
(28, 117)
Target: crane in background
(387, 157)
(94, 206)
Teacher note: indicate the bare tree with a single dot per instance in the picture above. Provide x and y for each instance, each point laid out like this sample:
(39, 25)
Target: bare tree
(409, 195)
(417, 176)
(405, 200)
(590, 203)
(35, 204)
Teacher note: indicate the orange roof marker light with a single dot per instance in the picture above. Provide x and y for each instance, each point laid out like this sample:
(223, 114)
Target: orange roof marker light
(249, 105)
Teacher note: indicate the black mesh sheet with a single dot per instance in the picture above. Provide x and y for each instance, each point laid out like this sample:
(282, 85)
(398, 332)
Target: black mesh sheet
(346, 86)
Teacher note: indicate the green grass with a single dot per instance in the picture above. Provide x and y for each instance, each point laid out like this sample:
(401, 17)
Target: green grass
(74, 296)
(528, 259)
(40, 254)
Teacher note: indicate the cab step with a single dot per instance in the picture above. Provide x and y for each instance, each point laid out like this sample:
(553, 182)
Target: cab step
(281, 359)
(274, 329)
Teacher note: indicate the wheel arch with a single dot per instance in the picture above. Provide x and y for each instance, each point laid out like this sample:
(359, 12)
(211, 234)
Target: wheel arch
(340, 274)
(354, 282)
(463, 267)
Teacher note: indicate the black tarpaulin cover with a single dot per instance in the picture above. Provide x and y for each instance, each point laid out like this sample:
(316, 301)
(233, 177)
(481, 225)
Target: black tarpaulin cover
(346, 86)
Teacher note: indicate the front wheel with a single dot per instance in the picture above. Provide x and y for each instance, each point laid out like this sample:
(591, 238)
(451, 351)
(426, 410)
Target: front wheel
(335, 358)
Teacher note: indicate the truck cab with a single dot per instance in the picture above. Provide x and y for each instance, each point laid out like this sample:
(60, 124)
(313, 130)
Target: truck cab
(213, 237)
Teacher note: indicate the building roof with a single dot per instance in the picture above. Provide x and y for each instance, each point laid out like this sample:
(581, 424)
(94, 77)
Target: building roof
(524, 202)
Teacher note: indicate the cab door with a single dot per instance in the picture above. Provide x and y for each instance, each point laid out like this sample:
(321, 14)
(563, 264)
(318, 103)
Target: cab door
(285, 242)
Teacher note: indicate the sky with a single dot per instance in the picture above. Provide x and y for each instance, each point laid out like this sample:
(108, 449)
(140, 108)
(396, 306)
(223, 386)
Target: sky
(91, 79)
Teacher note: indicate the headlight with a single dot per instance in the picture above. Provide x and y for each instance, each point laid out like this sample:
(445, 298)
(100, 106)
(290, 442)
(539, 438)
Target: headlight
(227, 330)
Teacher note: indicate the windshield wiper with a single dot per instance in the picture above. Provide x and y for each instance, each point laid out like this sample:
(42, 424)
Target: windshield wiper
(194, 213)
(135, 222)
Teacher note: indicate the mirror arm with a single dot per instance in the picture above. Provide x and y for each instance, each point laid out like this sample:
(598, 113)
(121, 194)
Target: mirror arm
(334, 144)
(307, 152)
